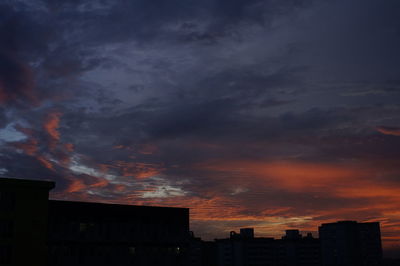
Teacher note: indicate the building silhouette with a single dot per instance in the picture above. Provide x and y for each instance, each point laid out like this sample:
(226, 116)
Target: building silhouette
(297, 250)
(348, 243)
(23, 221)
(83, 233)
(37, 231)
(201, 253)
(244, 249)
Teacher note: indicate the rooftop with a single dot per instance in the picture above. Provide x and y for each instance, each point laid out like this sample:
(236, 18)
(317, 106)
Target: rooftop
(12, 182)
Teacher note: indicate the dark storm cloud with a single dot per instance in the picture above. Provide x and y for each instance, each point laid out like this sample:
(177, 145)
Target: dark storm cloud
(3, 118)
(18, 35)
(253, 112)
(24, 31)
(191, 134)
(26, 39)
(356, 40)
(116, 21)
(21, 165)
(221, 98)
(16, 82)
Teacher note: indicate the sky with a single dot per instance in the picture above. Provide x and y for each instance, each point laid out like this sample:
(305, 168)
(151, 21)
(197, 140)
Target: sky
(272, 114)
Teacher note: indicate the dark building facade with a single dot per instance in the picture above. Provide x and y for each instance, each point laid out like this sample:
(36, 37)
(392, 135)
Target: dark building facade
(82, 233)
(348, 243)
(201, 253)
(23, 221)
(246, 250)
(297, 250)
(36, 231)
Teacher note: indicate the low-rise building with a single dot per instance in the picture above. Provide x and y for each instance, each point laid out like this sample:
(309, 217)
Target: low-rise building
(36, 231)
(244, 249)
(297, 250)
(84, 233)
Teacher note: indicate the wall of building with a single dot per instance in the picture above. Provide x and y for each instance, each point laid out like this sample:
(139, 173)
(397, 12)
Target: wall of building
(349, 243)
(82, 233)
(23, 221)
(246, 250)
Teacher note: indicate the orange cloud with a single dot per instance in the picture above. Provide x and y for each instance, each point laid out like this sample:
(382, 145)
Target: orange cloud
(76, 185)
(46, 163)
(81, 185)
(29, 147)
(394, 131)
(29, 132)
(69, 147)
(290, 175)
(263, 204)
(101, 182)
(148, 149)
(51, 125)
(137, 169)
(119, 147)
(363, 184)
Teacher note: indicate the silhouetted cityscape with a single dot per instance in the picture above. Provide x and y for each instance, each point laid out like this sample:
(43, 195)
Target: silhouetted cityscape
(37, 231)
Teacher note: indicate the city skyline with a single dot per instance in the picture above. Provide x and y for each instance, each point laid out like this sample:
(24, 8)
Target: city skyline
(37, 230)
(252, 113)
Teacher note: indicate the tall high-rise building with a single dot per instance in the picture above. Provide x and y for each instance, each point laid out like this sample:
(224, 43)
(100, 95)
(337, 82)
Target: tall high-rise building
(348, 243)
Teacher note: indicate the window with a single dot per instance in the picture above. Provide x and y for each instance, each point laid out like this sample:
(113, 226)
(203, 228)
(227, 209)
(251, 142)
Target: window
(6, 229)
(5, 254)
(132, 250)
(7, 201)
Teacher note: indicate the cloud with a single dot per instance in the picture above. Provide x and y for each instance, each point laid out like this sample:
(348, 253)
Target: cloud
(51, 126)
(3, 118)
(240, 110)
(16, 82)
(45, 162)
(394, 131)
(29, 147)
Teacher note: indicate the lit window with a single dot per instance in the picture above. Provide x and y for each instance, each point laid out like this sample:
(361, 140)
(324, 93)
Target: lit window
(82, 227)
(132, 250)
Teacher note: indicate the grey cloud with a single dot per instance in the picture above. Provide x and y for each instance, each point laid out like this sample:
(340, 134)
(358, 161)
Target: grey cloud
(3, 118)
(17, 83)
(23, 166)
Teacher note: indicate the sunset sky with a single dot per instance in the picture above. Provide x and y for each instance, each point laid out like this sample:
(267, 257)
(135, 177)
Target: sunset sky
(272, 114)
